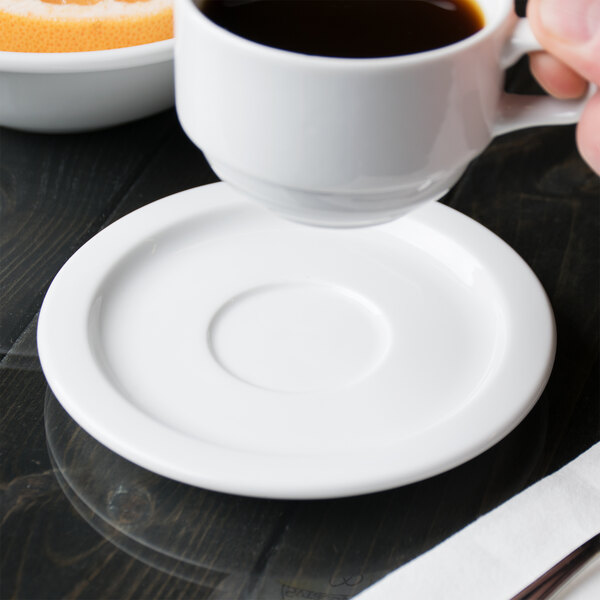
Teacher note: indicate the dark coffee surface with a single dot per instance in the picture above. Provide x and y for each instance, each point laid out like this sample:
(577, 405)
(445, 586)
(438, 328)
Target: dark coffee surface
(348, 28)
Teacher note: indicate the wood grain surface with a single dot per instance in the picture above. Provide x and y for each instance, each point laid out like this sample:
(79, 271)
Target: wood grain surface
(77, 521)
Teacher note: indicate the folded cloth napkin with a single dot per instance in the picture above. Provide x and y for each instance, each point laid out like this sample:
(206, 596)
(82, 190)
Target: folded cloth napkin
(505, 550)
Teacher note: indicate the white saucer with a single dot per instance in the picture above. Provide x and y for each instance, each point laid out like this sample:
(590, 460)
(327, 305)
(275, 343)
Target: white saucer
(209, 341)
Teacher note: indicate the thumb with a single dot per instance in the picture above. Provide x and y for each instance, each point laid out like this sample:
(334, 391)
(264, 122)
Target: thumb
(570, 30)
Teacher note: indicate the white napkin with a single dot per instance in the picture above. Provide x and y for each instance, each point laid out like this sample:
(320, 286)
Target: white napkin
(505, 550)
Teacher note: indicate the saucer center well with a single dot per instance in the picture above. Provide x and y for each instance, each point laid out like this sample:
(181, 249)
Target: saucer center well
(299, 337)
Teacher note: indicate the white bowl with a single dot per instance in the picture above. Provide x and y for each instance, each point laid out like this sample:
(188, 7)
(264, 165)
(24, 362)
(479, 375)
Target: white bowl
(79, 91)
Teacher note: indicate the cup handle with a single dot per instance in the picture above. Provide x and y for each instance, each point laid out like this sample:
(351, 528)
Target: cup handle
(516, 111)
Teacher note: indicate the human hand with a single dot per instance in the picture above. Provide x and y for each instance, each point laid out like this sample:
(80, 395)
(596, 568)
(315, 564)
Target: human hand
(569, 30)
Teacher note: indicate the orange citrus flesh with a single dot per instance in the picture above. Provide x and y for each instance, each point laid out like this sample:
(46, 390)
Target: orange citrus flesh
(80, 25)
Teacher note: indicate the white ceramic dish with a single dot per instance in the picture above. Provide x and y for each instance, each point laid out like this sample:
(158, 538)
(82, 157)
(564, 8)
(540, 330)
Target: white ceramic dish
(209, 341)
(80, 91)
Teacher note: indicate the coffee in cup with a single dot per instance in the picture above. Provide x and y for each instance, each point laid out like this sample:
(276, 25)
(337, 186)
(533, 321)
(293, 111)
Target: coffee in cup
(348, 28)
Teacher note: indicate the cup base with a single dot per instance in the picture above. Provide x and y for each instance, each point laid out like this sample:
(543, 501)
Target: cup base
(338, 210)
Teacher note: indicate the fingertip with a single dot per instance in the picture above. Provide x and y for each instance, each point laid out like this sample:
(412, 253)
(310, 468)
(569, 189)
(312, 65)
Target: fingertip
(588, 138)
(580, 52)
(555, 77)
(532, 13)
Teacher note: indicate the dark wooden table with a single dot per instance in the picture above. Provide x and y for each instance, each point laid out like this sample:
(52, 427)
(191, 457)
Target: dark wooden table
(80, 522)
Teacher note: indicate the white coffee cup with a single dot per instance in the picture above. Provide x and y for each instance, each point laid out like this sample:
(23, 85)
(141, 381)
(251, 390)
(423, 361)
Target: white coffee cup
(345, 142)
